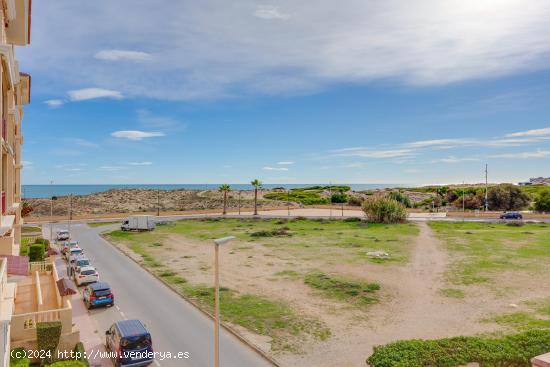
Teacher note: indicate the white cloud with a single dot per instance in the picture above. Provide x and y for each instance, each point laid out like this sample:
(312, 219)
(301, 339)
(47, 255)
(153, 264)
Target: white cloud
(93, 93)
(81, 142)
(536, 132)
(116, 55)
(372, 153)
(112, 168)
(145, 163)
(199, 54)
(270, 12)
(267, 168)
(412, 170)
(285, 163)
(136, 134)
(26, 163)
(53, 103)
(453, 159)
(523, 155)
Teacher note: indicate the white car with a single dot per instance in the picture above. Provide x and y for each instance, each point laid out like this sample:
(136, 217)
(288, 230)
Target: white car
(69, 245)
(73, 253)
(62, 235)
(87, 275)
(79, 262)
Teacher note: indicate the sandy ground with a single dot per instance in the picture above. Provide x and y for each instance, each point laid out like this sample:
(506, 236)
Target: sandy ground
(410, 306)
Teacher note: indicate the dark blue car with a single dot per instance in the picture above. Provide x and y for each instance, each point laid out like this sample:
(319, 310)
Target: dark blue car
(98, 294)
(132, 343)
(511, 215)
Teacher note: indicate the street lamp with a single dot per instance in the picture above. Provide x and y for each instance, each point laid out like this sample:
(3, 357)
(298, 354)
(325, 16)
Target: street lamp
(218, 243)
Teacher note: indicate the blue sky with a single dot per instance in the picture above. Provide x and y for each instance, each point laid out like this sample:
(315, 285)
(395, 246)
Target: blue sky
(355, 92)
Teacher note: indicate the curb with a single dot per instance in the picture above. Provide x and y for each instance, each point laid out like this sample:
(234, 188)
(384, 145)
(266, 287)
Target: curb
(228, 328)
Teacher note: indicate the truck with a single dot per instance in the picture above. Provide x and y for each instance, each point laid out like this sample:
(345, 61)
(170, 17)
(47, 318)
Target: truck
(139, 223)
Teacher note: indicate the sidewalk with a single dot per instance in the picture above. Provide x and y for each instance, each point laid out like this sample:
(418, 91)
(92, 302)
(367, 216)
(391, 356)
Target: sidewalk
(89, 335)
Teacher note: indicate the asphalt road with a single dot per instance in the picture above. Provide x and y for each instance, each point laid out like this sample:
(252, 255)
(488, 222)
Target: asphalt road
(175, 325)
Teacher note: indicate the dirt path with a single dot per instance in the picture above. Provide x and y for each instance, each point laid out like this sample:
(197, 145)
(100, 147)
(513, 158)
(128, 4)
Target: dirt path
(413, 309)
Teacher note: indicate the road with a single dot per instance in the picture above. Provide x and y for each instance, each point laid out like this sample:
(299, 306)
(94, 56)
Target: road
(175, 325)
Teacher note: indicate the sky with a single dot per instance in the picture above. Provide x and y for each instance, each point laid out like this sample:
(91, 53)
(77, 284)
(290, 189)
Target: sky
(355, 91)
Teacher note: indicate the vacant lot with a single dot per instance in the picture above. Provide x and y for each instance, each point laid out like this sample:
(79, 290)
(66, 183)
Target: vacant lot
(306, 290)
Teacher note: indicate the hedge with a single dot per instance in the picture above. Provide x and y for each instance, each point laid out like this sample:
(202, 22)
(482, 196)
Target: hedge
(19, 362)
(47, 335)
(36, 252)
(511, 351)
(80, 351)
(68, 364)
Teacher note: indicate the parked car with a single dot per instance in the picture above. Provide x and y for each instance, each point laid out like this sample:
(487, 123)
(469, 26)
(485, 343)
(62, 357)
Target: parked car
(98, 294)
(79, 262)
(511, 215)
(73, 252)
(138, 223)
(87, 275)
(68, 245)
(132, 341)
(62, 235)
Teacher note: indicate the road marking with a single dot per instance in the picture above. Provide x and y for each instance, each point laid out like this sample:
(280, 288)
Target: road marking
(123, 315)
(118, 308)
(156, 362)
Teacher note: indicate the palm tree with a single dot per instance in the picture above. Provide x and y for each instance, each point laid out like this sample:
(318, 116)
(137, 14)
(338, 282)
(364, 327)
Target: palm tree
(225, 188)
(257, 185)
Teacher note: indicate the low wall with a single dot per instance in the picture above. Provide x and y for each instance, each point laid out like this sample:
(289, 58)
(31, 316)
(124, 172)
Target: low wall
(67, 342)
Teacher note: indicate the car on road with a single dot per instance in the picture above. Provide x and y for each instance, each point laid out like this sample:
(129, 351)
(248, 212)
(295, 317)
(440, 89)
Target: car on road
(132, 342)
(62, 235)
(73, 252)
(511, 215)
(87, 275)
(68, 245)
(79, 262)
(98, 294)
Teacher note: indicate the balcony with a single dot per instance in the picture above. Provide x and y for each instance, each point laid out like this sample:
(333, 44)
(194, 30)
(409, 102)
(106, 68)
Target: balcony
(38, 299)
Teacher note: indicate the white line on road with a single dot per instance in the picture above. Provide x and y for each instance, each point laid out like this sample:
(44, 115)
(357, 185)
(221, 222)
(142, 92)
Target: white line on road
(123, 315)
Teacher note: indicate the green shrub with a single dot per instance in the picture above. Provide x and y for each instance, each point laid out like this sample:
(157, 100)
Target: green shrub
(344, 289)
(352, 220)
(80, 354)
(338, 198)
(36, 252)
(507, 197)
(542, 202)
(510, 351)
(384, 210)
(47, 335)
(69, 364)
(22, 361)
(355, 200)
(401, 198)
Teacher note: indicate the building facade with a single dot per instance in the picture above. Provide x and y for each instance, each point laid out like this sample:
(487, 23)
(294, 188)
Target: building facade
(15, 88)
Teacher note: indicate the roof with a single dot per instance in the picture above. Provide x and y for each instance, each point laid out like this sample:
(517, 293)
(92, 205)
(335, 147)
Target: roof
(84, 268)
(131, 328)
(66, 287)
(17, 265)
(99, 285)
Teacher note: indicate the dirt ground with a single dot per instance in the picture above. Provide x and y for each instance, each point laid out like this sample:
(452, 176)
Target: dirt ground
(411, 303)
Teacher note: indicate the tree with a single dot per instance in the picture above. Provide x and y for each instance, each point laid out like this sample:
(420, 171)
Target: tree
(542, 202)
(384, 210)
(257, 185)
(402, 198)
(225, 188)
(507, 197)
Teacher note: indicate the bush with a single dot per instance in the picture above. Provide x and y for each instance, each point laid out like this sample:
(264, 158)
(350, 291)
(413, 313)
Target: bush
(355, 200)
(384, 210)
(22, 361)
(507, 197)
(352, 220)
(401, 198)
(80, 354)
(26, 209)
(68, 364)
(511, 351)
(338, 198)
(542, 202)
(36, 252)
(47, 335)
(42, 241)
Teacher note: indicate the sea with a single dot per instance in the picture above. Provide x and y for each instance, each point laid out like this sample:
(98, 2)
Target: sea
(47, 191)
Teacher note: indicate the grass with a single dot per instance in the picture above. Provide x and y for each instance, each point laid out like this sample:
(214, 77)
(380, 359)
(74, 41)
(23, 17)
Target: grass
(289, 274)
(26, 241)
(343, 289)
(101, 224)
(302, 238)
(259, 314)
(31, 229)
(537, 317)
(482, 250)
(452, 293)
(306, 195)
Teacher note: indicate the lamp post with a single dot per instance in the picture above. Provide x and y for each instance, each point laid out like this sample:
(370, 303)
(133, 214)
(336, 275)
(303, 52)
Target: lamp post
(158, 202)
(70, 213)
(217, 243)
(51, 210)
(239, 202)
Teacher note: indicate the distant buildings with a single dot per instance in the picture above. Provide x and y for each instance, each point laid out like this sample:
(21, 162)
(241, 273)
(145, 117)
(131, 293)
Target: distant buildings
(537, 181)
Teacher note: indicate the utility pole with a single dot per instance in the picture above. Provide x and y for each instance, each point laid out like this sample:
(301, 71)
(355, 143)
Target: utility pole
(239, 202)
(51, 210)
(70, 213)
(288, 202)
(486, 187)
(330, 197)
(158, 202)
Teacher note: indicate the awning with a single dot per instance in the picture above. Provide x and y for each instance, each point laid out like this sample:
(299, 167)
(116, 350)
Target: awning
(66, 287)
